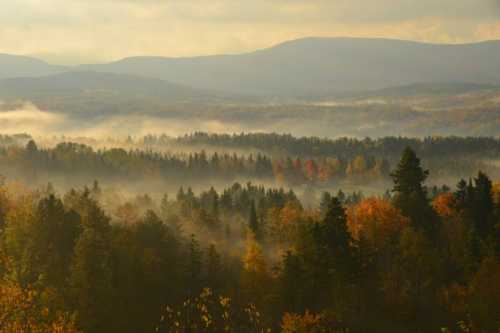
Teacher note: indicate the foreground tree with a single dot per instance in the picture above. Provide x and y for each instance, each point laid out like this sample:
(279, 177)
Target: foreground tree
(207, 313)
(311, 323)
(22, 311)
(410, 194)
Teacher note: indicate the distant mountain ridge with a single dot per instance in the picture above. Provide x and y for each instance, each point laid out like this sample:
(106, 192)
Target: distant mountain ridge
(315, 66)
(303, 68)
(20, 66)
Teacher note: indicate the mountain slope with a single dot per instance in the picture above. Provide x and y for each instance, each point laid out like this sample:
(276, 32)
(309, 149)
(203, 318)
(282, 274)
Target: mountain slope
(316, 66)
(107, 93)
(21, 66)
(86, 82)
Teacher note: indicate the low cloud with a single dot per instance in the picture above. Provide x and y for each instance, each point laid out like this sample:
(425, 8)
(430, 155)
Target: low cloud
(27, 118)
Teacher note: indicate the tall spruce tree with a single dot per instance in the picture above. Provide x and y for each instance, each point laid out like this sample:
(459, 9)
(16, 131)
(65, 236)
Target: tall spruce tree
(253, 222)
(194, 267)
(410, 194)
(483, 205)
(337, 237)
(326, 198)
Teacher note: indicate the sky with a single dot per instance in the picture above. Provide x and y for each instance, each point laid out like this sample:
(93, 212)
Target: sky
(90, 31)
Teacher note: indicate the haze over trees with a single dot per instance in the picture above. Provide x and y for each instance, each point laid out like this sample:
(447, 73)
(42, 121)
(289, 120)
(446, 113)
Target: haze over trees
(251, 259)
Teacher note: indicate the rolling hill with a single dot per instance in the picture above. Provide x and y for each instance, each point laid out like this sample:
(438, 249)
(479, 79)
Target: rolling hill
(20, 66)
(87, 82)
(318, 66)
(310, 68)
(105, 93)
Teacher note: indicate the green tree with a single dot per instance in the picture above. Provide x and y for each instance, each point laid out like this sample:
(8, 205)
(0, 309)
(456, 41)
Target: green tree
(253, 222)
(90, 275)
(214, 268)
(292, 283)
(410, 194)
(483, 205)
(194, 267)
(330, 260)
(91, 281)
(326, 198)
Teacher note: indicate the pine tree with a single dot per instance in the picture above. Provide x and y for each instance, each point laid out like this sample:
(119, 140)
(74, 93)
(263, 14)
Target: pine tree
(410, 194)
(325, 202)
(193, 268)
(213, 268)
(330, 260)
(291, 282)
(253, 222)
(483, 205)
(461, 193)
(91, 280)
(334, 231)
(165, 206)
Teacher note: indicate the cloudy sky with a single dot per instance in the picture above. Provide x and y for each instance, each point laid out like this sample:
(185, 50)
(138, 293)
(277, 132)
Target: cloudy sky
(76, 31)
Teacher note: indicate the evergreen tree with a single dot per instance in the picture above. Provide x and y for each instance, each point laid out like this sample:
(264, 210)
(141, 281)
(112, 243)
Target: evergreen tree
(326, 198)
(253, 222)
(334, 234)
(460, 194)
(31, 148)
(329, 259)
(483, 205)
(91, 281)
(291, 283)
(193, 268)
(213, 268)
(410, 194)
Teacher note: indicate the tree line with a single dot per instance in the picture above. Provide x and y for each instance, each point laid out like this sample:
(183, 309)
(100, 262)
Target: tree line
(118, 164)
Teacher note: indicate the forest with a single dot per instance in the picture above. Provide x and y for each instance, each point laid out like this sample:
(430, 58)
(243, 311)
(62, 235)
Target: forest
(203, 160)
(246, 256)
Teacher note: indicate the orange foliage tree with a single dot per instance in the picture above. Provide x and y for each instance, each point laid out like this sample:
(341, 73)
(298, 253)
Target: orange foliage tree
(283, 222)
(375, 219)
(443, 205)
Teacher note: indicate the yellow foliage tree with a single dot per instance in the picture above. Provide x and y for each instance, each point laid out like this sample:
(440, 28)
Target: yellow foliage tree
(496, 193)
(254, 279)
(254, 261)
(21, 311)
(283, 222)
(311, 323)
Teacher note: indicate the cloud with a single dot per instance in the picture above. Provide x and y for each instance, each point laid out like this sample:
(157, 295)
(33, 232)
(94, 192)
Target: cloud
(27, 118)
(103, 30)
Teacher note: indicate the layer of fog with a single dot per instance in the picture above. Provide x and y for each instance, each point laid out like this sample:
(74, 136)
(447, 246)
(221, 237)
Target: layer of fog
(28, 118)
(49, 128)
(39, 123)
(373, 120)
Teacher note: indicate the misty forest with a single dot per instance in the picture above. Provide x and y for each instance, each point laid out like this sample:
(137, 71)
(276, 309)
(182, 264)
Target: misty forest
(320, 185)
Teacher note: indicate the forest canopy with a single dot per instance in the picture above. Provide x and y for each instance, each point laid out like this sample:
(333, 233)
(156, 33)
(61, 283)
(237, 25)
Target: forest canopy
(245, 258)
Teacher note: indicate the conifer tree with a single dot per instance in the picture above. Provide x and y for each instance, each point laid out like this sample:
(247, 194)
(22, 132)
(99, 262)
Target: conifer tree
(193, 269)
(325, 202)
(213, 268)
(483, 205)
(410, 194)
(253, 222)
